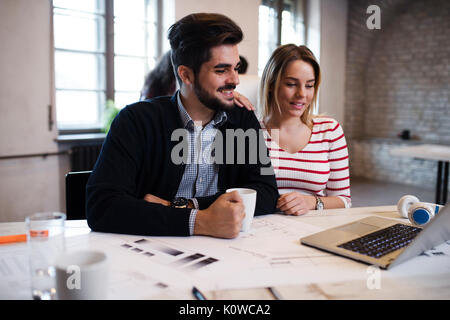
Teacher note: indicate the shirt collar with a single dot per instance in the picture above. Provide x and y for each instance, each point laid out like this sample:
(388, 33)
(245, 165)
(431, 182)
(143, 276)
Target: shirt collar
(185, 118)
(219, 118)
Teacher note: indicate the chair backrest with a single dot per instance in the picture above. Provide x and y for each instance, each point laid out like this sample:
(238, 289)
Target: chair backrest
(76, 194)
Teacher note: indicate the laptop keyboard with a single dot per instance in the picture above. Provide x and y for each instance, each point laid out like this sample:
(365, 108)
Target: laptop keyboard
(382, 242)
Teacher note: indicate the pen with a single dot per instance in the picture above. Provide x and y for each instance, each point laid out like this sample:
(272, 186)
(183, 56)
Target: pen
(275, 293)
(197, 294)
(13, 238)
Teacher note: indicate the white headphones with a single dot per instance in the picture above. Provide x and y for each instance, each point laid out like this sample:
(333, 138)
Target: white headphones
(419, 213)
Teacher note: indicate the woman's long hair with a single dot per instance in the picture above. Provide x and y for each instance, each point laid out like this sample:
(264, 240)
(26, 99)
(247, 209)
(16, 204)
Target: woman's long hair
(271, 78)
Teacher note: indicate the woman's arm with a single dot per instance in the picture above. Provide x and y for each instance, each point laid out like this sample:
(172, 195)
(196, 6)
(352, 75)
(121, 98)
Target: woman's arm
(242, 101)
(338, 185)
(295, 203)
(337, 191)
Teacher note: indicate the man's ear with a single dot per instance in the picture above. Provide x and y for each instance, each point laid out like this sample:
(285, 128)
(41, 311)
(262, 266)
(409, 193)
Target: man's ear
(186, 74)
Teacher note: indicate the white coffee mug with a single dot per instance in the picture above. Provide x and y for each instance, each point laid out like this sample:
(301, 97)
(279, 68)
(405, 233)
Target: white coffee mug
(82, 275)
(249, 198)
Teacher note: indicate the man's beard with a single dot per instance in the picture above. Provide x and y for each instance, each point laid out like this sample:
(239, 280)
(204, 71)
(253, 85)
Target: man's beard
(210, 101)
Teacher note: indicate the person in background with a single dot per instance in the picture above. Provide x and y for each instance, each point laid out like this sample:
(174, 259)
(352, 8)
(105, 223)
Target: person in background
(308, 153)
(143, 183)
(244, 65)
(161, 80)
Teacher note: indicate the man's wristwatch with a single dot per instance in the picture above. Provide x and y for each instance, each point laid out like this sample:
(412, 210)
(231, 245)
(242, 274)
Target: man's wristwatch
(179, 202)
(319, 204)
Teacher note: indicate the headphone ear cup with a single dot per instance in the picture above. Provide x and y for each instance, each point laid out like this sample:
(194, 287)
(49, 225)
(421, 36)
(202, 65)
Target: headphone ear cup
(405, 203)
(420, 213)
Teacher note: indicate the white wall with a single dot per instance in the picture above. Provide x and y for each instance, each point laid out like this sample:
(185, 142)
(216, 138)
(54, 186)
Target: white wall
(312, 25)
(243, 12)
(25, 77)
(31, 184)
(333, 48)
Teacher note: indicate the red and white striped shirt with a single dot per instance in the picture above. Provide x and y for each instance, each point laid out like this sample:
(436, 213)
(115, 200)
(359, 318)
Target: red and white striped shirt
(320, 168)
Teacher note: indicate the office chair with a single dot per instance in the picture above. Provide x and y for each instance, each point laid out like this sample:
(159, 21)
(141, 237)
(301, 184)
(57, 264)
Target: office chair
(76, 194)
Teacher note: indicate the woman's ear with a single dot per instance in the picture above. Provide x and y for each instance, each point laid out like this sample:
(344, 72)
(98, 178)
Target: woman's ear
(186, 74)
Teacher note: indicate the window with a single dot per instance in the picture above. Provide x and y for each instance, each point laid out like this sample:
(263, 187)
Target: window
(103, 50)
(292, 23)
(273, 32)
(267, 29)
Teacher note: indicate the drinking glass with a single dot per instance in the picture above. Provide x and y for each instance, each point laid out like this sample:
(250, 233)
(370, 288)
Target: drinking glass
(45, 237)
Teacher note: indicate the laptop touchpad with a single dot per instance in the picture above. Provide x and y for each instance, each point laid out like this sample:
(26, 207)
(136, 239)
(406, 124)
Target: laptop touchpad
(358, 228)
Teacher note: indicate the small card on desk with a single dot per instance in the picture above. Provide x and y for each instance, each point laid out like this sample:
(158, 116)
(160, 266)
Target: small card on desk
(241, 294)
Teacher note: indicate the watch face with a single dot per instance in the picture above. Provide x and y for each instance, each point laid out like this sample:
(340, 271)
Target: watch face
(179, 202)
(319, 204)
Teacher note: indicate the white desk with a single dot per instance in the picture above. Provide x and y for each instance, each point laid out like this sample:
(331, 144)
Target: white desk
(436, 152)
(241, 268)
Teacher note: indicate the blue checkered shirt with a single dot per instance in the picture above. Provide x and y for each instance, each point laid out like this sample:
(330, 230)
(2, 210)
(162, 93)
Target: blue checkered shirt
(200, 175)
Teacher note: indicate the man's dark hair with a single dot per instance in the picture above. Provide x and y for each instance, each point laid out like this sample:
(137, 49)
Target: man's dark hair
(192, 37)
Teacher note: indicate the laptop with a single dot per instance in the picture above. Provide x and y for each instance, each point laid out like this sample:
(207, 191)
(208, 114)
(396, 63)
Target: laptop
(381, 241)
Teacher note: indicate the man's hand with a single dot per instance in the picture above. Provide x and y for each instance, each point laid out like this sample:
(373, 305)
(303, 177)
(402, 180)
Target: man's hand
(154, 199)
(223, 218)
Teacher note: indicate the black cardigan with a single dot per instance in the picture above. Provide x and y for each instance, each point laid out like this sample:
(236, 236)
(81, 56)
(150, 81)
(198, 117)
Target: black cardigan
(136, 160)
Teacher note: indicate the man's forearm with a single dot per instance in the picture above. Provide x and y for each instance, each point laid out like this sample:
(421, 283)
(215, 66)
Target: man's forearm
(125, 214)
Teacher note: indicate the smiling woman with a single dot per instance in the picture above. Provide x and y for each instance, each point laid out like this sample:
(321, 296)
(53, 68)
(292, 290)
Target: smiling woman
(308, 153)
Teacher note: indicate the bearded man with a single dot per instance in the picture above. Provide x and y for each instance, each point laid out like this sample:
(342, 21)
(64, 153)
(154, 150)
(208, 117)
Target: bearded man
(140, 186)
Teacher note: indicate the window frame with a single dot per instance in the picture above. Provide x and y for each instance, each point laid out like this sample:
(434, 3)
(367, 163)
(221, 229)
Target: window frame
(109, 55)
(279, 6)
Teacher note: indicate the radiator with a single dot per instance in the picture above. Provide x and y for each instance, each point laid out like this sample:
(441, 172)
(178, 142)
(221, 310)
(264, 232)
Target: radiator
(83, 158)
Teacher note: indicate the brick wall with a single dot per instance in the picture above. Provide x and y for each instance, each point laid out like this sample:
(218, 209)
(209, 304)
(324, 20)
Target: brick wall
(397, 78)
(371, 159)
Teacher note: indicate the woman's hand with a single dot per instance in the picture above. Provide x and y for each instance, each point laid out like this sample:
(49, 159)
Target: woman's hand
(154, 199)
(295, 203)
(242, 101)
